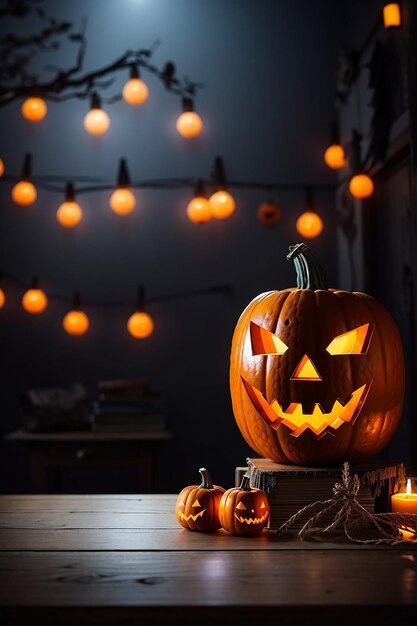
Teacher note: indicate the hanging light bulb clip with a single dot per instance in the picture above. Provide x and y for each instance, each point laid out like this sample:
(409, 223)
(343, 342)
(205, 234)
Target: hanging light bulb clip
(219, 174)
(140, 307)
(187, 105)
(76, 301)
(199, 190)
(27, 167)
(123, 178)
(69, 192)
(309, 198)
(134, 71)
(95, 101)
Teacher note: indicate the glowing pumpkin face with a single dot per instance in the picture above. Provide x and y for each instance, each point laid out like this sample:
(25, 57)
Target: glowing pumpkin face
(197, 506)
(244, 511)
(317, 375)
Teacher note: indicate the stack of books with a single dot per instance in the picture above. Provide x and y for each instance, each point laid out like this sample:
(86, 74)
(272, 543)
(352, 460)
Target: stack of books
(128, 406)
(290, 488)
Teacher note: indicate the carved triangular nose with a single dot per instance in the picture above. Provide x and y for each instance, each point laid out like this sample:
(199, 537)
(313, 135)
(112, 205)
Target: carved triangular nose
(306, 370)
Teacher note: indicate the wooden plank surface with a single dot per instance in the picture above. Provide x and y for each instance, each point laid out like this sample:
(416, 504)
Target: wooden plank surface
(124, 559)
(110, 523)
(221, 578)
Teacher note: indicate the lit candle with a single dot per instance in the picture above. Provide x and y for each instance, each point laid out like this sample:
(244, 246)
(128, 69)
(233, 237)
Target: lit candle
(405, 503)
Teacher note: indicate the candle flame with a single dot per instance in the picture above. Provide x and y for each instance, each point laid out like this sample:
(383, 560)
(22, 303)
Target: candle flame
(408, 488)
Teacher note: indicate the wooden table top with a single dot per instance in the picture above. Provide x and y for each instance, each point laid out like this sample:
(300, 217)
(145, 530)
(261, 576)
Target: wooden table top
(124, 559)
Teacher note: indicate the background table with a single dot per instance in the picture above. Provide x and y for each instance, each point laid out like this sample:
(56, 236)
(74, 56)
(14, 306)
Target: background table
(54, 451)
(124, 560)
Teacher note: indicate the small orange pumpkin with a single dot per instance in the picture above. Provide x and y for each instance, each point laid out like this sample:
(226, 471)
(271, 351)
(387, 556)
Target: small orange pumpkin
(244, 510)
(197, 506)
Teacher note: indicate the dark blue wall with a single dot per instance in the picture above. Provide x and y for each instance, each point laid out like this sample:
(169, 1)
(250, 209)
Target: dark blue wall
(269, 74)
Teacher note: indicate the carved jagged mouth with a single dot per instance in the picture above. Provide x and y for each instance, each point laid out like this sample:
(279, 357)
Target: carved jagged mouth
(319, 422)
(252, 520)
(195, 517)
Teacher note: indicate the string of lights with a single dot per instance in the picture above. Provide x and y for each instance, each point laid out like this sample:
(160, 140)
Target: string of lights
(76, 321)
(201, 208)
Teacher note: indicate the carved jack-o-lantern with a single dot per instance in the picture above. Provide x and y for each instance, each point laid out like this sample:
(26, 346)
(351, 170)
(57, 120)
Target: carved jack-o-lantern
(317, 374)
(244, 510)
(197, 506)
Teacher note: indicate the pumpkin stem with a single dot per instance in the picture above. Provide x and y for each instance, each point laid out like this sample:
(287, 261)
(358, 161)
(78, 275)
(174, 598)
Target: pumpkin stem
(206, 482)
(310, 274)
(245, 483)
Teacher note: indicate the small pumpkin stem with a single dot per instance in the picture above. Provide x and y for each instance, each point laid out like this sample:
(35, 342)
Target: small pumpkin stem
(206, 482)
(245, 483)
(309, 272)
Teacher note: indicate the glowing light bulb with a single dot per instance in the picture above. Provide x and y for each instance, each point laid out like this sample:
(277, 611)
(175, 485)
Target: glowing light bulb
(69, 214)
(361, 186)
(140, 325)
(96, 122)
(2, 298)
(76, 323)
(189, 124)
(34, 109)
(34, 301)
(222, 204)
(122, 201)
(335, 157)
(309, 225)
(199, 210)
(135, 92)
(392, 15)
(1, 168)
(24, 193)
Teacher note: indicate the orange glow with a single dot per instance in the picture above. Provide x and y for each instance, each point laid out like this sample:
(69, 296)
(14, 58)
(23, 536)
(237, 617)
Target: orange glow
(97, 122)
(34, 109)
(76, 323)
(2, 298)
(34, 301)
(335, 157)
(24, 193)
(265, 342)
(318, 422)
(361, 186)
(309, 225)
(269, 213)
(140, 325)
(69, 214)
(122, 201)
(1, 168)
(306, 370)
(199, 210)
(352, 342)
(392, 15)
(135, 92)
(222, 204)
(189, 124)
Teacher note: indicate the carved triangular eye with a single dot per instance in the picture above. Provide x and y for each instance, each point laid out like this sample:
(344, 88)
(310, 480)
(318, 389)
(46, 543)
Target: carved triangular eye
(263, 505)
(264, 342)
(196, 503)
(355, 341)
(241, 506)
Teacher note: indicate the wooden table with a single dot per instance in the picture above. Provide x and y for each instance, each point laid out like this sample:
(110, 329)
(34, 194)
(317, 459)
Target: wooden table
(124, 560)
(54, 451)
